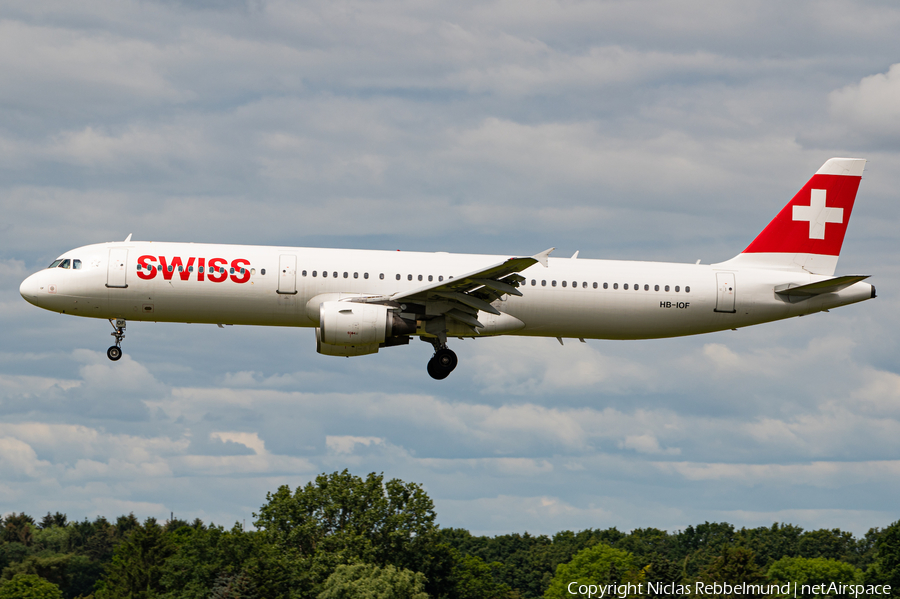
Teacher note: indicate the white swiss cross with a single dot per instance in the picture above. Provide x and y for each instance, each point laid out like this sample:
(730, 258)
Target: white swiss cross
(817, 214)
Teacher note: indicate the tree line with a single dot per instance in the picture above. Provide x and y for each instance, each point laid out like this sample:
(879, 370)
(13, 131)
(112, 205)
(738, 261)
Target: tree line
(343, 536)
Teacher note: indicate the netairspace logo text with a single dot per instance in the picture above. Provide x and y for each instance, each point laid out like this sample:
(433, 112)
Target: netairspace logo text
(621, 591)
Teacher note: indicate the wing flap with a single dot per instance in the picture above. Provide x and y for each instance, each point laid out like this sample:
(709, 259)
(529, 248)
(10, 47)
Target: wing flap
(488, 283)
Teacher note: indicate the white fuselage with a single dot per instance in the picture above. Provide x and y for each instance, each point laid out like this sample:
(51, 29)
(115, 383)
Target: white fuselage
(597, 299)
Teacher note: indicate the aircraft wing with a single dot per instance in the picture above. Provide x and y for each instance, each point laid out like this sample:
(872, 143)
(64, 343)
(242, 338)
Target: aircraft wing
(461, 297)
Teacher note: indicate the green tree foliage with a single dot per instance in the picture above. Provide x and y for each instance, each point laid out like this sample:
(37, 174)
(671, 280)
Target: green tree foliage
(339, 520)
(832, 544)
(344, 519)
(813, 571)
(734, 565)
(885, 567)
(57, 519)
(524, 562)
(234, 586)
(137, 564)
(227, 562)
(771, 543)
(473, 579)
(17, 528)
(598, 565)
(29, 586)
(660, 569)
(699, 545)
(368, 581)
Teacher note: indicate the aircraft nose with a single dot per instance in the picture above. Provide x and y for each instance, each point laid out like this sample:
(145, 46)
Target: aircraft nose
(29, 289)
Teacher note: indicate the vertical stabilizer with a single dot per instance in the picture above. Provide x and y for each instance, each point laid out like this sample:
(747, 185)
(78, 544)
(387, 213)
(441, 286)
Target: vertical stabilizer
(808, 233)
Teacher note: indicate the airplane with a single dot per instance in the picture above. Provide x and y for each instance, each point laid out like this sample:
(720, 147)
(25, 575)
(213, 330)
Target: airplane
(360, 301)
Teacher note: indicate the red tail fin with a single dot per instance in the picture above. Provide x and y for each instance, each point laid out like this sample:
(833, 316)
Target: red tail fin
(808, 233)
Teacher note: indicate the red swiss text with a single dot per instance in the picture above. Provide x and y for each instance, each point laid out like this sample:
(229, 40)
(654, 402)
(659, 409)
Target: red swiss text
(216, 270)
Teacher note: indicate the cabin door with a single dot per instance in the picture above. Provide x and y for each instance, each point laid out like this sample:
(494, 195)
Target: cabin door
(116, 269)
(725, 296)
(287, 274)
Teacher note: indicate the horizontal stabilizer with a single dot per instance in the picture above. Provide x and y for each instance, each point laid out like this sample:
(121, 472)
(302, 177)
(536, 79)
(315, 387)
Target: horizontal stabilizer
(827, 286)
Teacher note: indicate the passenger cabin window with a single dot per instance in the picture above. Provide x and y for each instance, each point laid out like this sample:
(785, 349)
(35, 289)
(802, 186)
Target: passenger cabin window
(646, 287)
(667, 287)
(262, 271)
(595, 285)
(441, 278)
(564, 283)
(533, 282)
(677, 288)
(543, 283)
(637, 287)
(616, 286)
(314, 273)
(398, 277)
(334, 274)
(356, 275)
(409, 277)
(625, 286)
(303, 273)
(365, 275)
(553, 283)
(420, 277)
(430, 278)
(687, 289)
(656, 288)
(346, 275)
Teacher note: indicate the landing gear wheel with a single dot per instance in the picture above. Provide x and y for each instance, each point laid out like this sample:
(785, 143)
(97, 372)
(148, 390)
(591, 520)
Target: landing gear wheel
(118, 325)
(442, 363)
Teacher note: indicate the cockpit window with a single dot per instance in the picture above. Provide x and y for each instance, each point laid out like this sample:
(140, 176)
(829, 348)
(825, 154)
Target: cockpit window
(65, 263)
(76, 264)
(55, 264)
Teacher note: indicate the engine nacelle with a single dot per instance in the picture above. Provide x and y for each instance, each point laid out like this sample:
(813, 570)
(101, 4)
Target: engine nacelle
(327, 349)
(351, 323)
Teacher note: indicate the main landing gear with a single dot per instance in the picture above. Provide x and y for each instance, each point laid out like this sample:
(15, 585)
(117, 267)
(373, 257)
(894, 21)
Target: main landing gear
(442, 362)
(115, 352)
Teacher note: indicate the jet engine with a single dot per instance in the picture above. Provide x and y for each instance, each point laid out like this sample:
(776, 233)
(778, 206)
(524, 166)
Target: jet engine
(357, 329)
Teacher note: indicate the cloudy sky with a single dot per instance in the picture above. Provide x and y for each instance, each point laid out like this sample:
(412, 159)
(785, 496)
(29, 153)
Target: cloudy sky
(636, 130)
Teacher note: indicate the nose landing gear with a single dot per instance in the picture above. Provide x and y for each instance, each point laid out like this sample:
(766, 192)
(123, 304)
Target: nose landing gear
(115, 352)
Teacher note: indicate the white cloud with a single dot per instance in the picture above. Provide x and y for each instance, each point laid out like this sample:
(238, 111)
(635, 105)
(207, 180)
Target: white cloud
(871, 104)
(647, 444)
(250, 440)
(19, 459)
(345, 444)
(828, 475)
